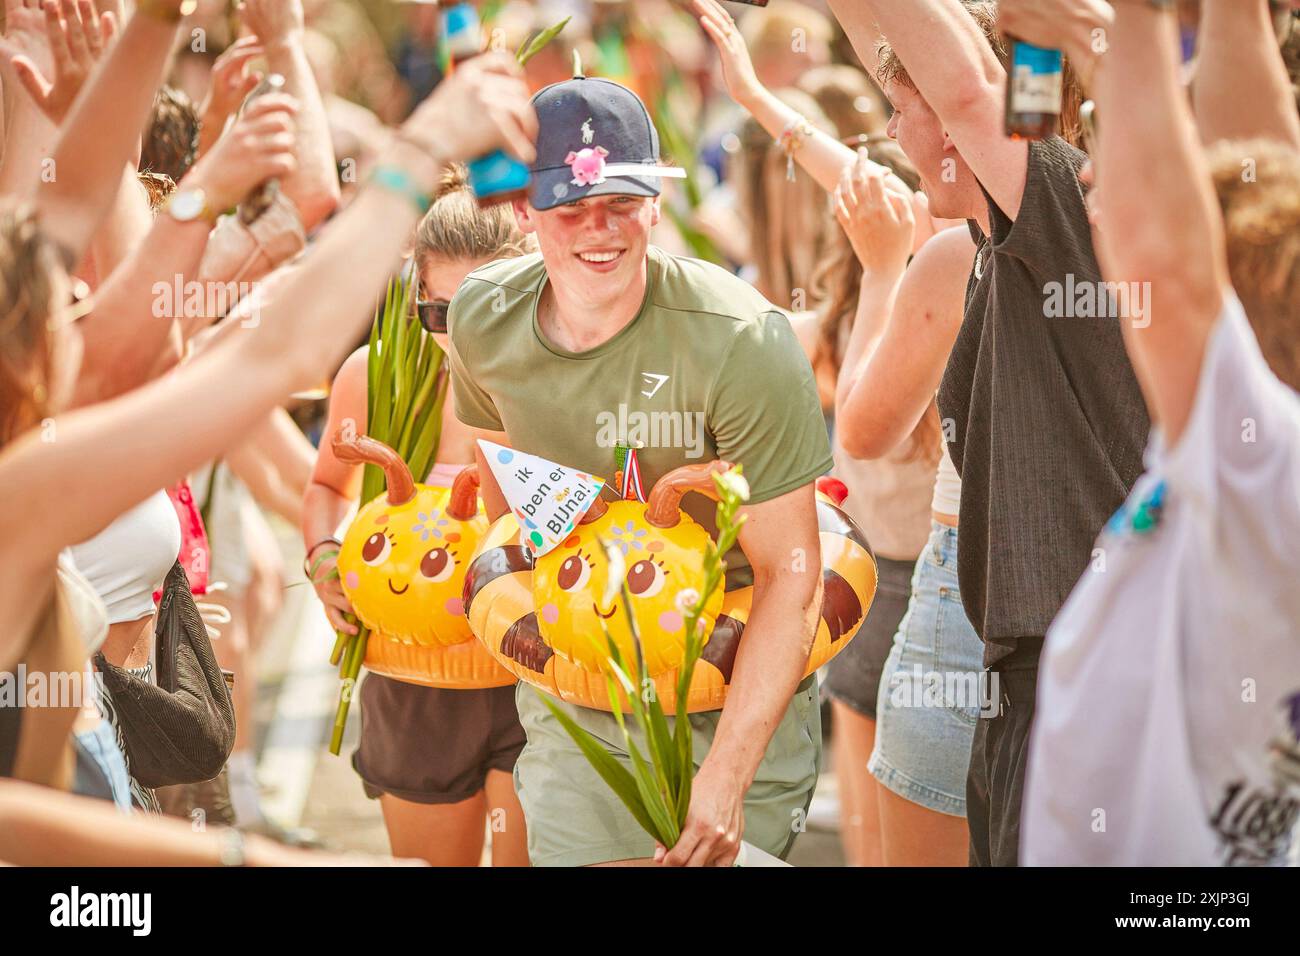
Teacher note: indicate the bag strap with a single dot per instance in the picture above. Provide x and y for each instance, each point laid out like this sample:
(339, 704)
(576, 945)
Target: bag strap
(168, 629)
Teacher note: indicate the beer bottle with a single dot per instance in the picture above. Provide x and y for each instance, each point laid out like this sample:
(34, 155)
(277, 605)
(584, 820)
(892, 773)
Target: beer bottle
(496, 177)
(1034, 85)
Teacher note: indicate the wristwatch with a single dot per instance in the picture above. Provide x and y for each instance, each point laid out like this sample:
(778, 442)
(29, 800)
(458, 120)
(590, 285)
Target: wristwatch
(187, 205)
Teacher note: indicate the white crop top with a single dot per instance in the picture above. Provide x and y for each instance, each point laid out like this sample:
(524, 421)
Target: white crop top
(947, 487)
(127, 561)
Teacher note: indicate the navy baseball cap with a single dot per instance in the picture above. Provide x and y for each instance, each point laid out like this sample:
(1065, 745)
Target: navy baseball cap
(595, 138)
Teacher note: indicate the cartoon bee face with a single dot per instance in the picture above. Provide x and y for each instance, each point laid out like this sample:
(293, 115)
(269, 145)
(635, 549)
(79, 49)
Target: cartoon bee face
(402, 564)
(664, 574)
(403, 568)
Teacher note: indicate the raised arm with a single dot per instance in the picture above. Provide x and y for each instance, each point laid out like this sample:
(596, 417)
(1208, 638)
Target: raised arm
(1076, 27)
(886, 390)
(52, 75)
(229, 81)
(1241, 89)
(1163, 229)
(314, 186)
(956, 72)
(821, 155)
(110, 115)
(140, 441)
(29, 132)
(137, 309)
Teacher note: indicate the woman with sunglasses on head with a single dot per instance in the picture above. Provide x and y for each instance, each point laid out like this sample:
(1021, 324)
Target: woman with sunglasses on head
(437, 759)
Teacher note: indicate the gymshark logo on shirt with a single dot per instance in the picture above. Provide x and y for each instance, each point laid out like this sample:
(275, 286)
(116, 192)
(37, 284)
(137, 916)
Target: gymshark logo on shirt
(103, 909)
(655, 381)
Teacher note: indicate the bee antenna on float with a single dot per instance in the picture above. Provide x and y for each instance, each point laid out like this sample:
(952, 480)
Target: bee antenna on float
(598, 508)
(463, 503)
(664, 506)
(364, 450)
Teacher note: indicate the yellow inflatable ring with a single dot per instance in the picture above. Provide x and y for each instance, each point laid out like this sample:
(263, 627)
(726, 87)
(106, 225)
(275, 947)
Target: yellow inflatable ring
(402, 565)
(524, 609)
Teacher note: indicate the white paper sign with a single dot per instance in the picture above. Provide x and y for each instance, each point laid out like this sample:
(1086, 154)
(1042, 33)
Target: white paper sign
(548, 499)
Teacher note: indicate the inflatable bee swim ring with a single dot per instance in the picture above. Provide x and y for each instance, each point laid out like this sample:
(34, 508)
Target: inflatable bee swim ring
(402, 565)
(538, 616)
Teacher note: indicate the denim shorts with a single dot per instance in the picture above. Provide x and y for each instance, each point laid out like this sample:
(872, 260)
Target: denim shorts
(101, 768)
(931, 689)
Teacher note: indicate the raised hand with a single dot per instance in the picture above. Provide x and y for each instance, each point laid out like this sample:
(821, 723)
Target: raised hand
(482, 106)
(54, 71)
(230, 81)
(1067, 25)
(878, 221)
(737, 68)
(258, 147)
(25, 34)
(273, 21)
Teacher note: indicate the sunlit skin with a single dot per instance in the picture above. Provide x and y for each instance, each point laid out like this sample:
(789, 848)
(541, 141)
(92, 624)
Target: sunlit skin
(569, 587)
(403, 567)
(946, 180)
(334, 485)
(582, 294)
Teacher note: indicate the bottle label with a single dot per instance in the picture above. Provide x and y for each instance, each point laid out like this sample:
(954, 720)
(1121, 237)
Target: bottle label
(1036, 79)
(496, 173)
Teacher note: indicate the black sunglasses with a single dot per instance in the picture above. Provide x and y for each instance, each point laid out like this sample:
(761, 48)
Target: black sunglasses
(433, 314)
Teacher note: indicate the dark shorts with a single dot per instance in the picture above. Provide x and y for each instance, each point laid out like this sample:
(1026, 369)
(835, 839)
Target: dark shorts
(853, 675)
(430, 745)
(995, 785)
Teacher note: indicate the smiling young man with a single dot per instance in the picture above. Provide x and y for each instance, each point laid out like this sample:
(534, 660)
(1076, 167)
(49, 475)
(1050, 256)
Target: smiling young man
(546, 351)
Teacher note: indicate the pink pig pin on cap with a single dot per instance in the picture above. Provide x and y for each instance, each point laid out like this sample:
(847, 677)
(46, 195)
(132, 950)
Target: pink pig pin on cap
(595, 138)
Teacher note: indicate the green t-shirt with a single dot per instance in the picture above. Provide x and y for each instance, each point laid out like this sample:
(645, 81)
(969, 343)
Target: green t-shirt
(707, 369)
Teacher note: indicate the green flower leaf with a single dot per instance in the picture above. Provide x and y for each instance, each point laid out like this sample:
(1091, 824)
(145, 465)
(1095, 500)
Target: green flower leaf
(539, 42)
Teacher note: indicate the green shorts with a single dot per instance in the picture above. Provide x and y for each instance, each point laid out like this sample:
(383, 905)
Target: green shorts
(574, 818)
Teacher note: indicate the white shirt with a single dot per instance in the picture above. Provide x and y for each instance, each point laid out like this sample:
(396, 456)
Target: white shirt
(129, 560)
(947, 487)
(1169, 687)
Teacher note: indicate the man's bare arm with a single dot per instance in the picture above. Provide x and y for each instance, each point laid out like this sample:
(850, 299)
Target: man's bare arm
(1159, 219)
(110, 114)
(779, 633)
(313, 186)
(956, 72)
(1241, 89)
